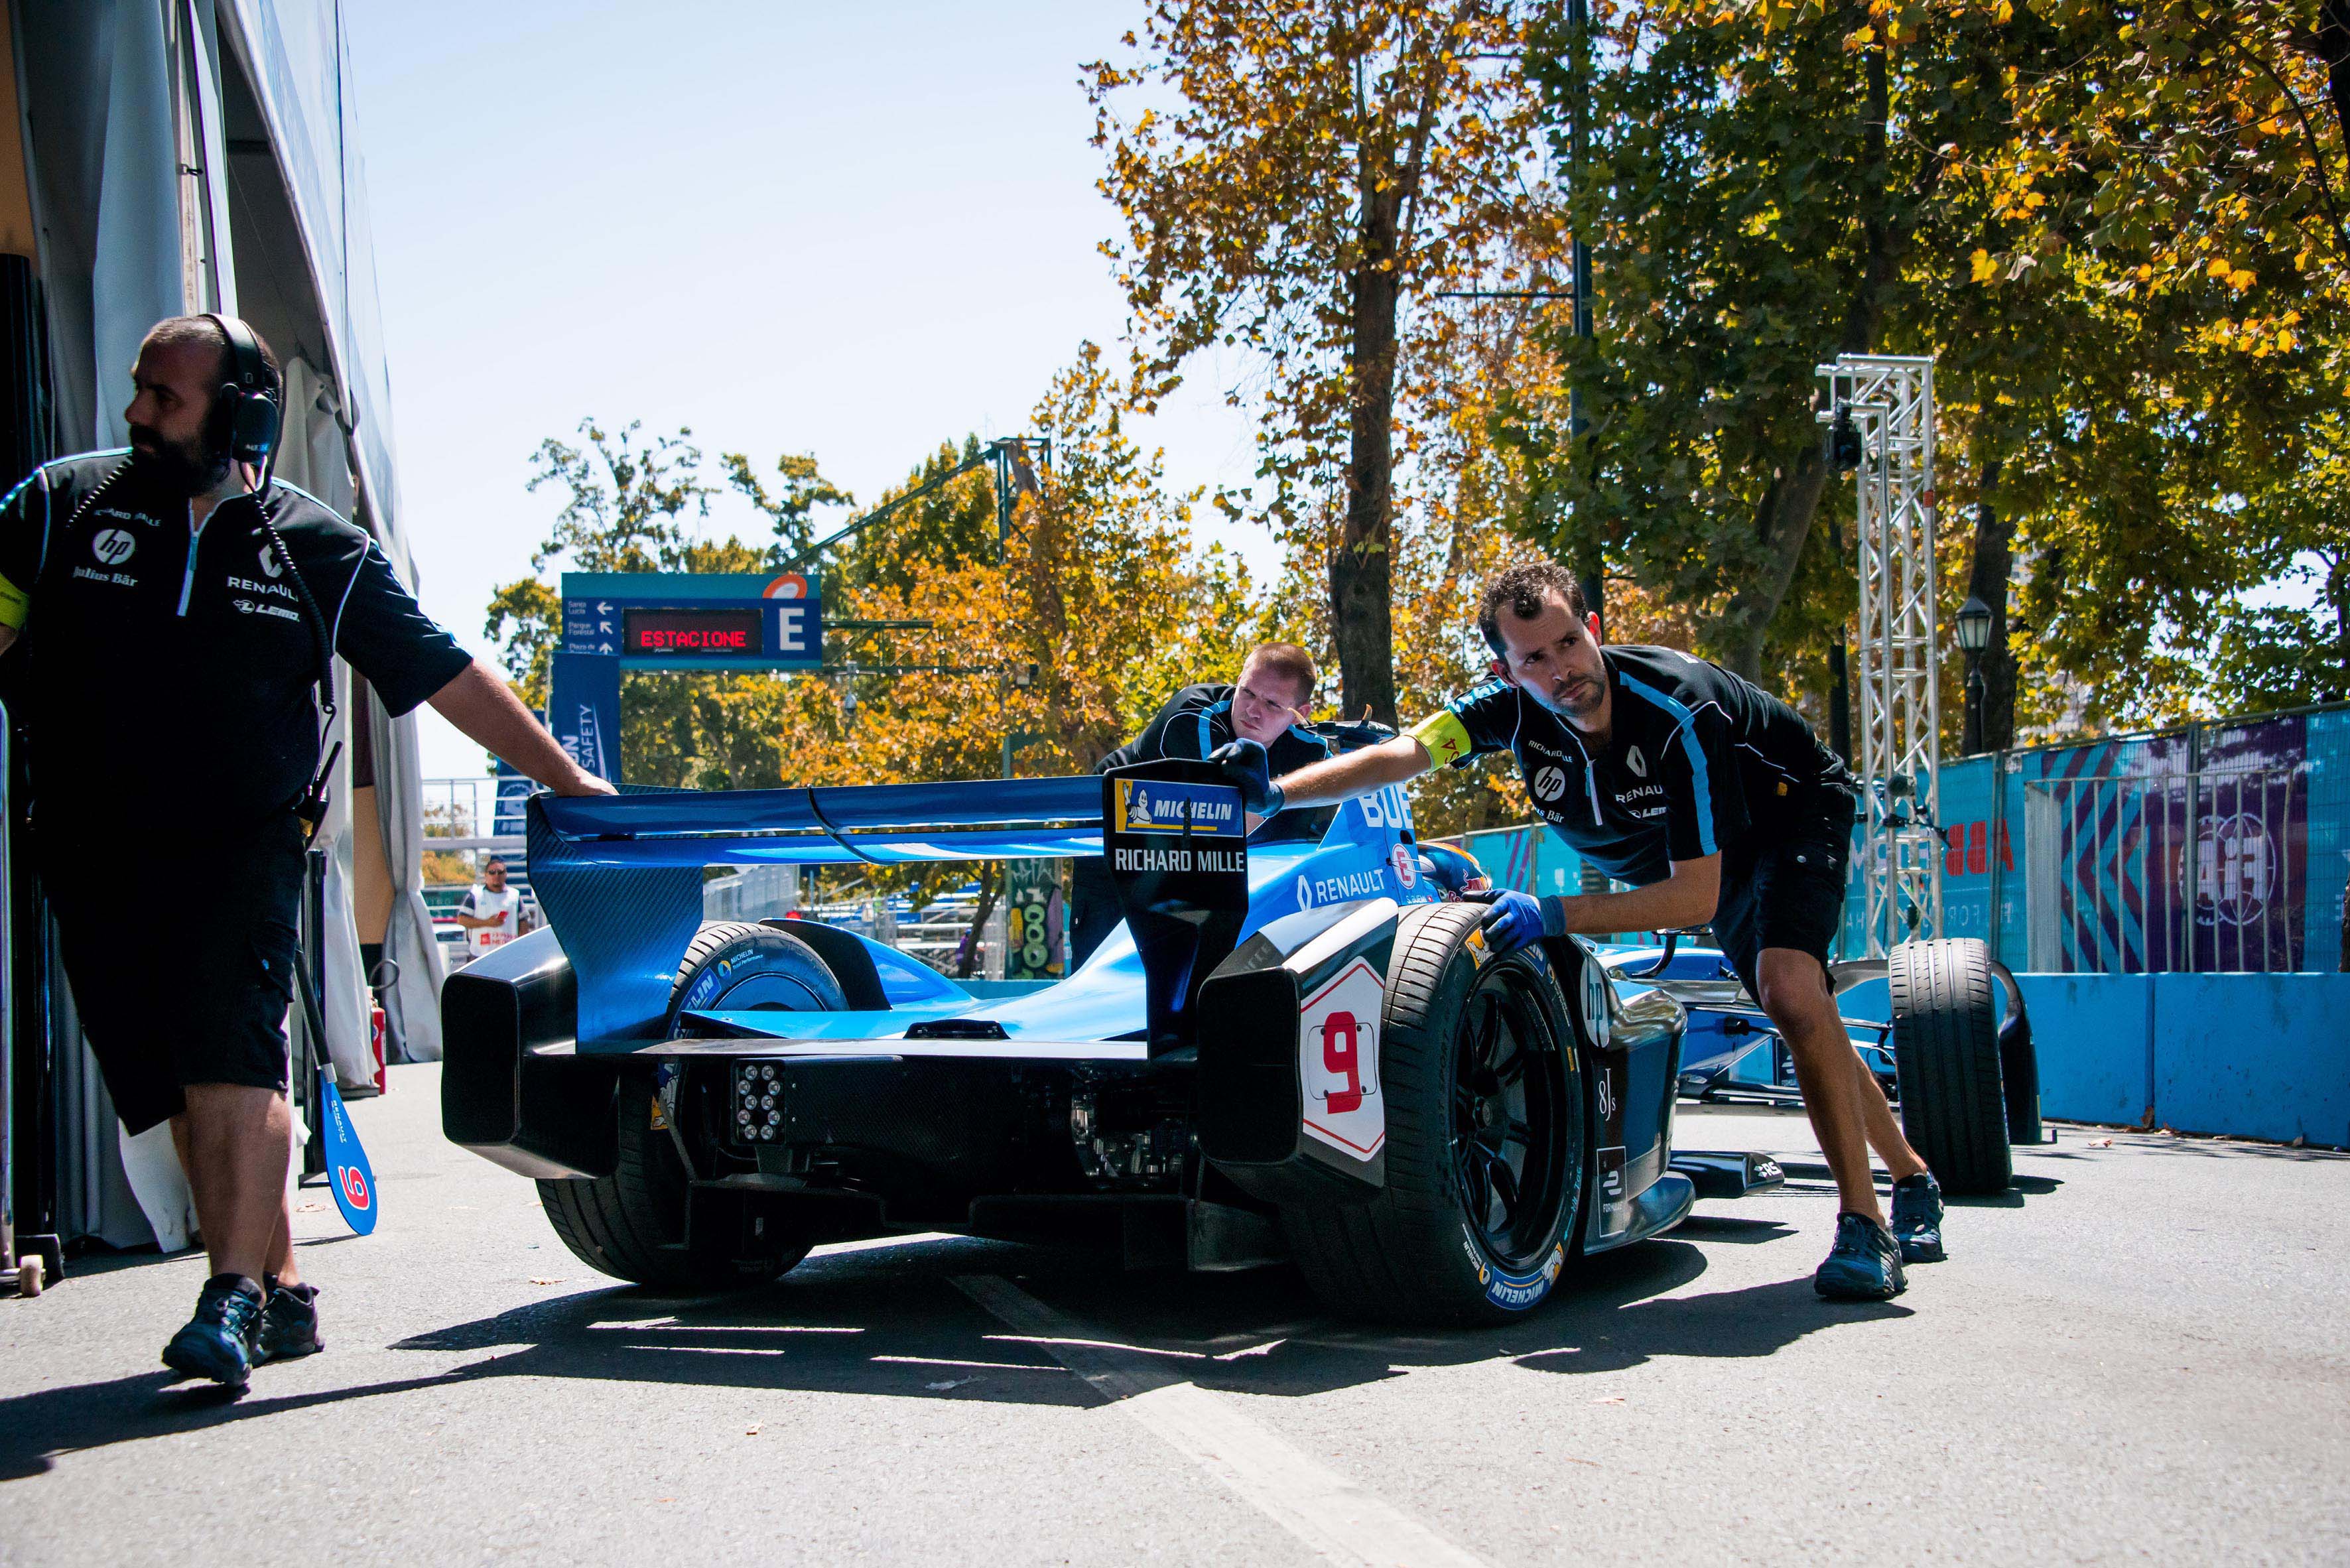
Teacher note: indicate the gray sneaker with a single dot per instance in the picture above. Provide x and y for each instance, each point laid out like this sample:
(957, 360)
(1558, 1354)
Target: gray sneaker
(288, 1324)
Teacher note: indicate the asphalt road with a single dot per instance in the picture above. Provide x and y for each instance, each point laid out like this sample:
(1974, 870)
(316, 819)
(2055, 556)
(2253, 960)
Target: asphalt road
(2140, 1356)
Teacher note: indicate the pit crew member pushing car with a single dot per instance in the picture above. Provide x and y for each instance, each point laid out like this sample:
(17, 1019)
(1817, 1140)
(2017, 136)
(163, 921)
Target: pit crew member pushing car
(1266, 704)
(174, 623)
(1714, 800)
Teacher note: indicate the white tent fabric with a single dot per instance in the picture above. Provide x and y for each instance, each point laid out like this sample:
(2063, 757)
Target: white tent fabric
(412, 1001)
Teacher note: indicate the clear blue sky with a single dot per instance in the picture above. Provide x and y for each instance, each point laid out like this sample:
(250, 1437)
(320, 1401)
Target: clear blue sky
(854, 231)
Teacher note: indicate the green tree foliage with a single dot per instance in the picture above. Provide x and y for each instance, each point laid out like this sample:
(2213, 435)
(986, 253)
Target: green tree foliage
(1101, 594)
(1770, 183)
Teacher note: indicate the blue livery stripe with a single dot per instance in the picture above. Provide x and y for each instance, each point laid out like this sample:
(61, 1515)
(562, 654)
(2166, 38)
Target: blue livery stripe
(1686, 722)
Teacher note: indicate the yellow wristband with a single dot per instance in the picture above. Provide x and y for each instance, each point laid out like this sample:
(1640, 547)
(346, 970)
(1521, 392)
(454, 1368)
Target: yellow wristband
(1444, 735)
(14, 605)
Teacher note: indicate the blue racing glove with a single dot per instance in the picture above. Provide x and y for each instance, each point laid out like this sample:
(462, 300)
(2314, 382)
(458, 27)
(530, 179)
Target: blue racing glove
(1245, 764)
(1517, 919)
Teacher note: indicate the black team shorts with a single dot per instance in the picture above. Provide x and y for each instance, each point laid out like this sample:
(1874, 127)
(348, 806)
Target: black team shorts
(182, 961)
(1784, 886)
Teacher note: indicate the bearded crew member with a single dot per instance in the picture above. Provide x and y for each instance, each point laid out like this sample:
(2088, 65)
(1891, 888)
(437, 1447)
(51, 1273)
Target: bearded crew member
(174, 625)
(1265, 703)
(1715, 801)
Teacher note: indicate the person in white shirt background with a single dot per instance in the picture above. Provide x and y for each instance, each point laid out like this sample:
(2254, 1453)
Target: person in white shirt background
(491, 913)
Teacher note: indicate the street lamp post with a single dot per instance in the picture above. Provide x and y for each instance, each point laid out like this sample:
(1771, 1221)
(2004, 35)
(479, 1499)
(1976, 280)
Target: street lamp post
(1974, 637)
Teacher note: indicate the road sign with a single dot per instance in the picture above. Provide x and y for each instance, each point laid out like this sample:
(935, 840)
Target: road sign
(691, 620)
(615, 621)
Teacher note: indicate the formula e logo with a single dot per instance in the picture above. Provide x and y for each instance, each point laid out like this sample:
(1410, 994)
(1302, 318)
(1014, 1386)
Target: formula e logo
(113, 546)
(269, 566)
(1636, 762)
(1550, 782)
(1406, 865)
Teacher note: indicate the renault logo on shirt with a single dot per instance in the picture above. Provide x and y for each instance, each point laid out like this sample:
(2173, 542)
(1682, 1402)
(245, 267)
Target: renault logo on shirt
(113, 546)
(1636, 762)
(269, 566)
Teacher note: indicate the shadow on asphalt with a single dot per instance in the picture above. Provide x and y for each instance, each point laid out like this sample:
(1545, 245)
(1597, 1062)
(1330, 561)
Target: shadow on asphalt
(890, 1323)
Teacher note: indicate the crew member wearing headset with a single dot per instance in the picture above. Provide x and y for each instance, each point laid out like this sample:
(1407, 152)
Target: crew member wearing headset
(1265, 703)
(176, 608)
(1716, 803)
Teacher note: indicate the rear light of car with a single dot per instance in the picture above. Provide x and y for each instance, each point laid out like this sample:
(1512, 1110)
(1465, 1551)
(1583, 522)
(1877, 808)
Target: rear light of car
(758, 1102)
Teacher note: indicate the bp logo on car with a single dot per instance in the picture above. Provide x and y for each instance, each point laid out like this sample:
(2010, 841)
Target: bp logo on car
(1594, 1003)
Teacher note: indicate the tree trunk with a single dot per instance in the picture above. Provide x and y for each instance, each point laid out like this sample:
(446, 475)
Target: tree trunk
(1361, 587)
(1782, 519)
(2333, 41)
(1987, 580)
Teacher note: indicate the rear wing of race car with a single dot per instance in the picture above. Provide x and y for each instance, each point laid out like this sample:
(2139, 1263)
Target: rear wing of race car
(620, 876)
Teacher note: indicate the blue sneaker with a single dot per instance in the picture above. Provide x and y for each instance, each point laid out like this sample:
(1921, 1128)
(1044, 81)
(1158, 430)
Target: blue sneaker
(218, 1340)
(1865, 1265)
(1918, 1218)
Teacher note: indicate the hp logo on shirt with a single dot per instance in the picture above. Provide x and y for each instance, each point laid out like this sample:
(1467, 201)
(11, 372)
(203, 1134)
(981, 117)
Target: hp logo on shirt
(113, 546)
(1549, 783)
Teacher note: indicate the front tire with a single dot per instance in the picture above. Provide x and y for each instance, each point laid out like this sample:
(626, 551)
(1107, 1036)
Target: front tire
(1946, 1054)
(1487, 1151)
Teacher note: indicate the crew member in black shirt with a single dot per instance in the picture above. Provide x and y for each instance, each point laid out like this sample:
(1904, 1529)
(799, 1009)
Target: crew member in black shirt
(1715, 802)
(1266, 704)
(176, 610)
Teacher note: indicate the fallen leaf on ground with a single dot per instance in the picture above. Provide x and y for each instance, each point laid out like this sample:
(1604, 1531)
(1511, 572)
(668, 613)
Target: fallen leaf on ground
(539, 1281)
(2101, 1143)
(1610, 1399)
(308, 1208)
(752, 1431)
(953, 1383)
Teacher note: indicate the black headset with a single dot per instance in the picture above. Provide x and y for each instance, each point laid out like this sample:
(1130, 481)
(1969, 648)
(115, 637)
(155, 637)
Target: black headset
(247, 403)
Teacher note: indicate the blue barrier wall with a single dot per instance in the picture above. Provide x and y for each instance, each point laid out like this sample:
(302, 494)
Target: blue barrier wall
(2246, 1055)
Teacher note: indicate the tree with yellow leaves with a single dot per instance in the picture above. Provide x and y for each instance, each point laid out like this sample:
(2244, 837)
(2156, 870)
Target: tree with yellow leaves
(1297, 181)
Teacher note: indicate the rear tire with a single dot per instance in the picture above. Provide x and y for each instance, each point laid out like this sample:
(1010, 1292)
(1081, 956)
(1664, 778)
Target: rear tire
(1467, 1053)
(631, 1224)
(1946, 1052)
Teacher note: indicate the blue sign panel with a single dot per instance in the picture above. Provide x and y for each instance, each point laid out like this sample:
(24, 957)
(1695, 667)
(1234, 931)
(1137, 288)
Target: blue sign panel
(583, 711)
(666, 620)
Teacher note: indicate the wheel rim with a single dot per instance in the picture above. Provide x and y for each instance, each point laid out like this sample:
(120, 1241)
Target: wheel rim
(766, 993)
(1517, 1137)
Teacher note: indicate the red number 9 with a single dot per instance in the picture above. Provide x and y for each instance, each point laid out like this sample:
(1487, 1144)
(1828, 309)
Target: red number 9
(1341, 1056)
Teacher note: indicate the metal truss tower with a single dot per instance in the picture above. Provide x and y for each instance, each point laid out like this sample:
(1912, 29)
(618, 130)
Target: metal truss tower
(1888, 402)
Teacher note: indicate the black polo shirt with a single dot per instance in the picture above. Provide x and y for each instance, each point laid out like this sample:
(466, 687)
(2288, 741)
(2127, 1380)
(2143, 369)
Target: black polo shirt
(1199, 719)
(170, 670)
(1699, 761)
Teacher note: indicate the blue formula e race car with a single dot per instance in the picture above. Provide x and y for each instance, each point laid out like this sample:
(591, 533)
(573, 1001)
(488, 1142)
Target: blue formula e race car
(1297, 1047)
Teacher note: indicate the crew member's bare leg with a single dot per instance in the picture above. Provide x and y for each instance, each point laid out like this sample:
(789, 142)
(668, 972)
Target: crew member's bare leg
(237, 1142)
(1847, 1110)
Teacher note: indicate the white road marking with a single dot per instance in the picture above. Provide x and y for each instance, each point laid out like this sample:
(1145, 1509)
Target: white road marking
(1328, 1512)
